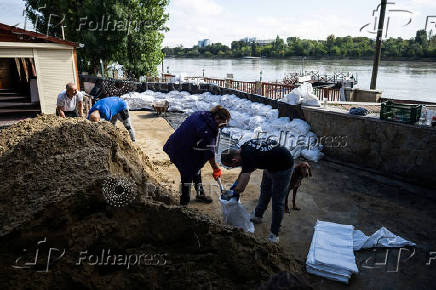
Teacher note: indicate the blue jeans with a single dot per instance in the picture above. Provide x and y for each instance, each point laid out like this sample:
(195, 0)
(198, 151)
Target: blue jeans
(274, 186)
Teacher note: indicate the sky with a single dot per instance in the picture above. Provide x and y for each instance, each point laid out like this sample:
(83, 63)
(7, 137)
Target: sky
(227, 20)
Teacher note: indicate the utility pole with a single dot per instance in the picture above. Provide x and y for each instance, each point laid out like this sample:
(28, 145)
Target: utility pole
(378, 45)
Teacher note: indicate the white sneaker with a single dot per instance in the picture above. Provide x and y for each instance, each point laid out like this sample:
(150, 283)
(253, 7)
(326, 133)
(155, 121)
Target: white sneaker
(273, 238)
(254, 218)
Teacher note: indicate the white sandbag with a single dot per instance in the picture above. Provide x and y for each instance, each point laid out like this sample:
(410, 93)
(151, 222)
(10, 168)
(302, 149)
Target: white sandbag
(299, 127)
(311, 100)
(302, 95)
(175, 108)
(137, 101)
(256, 121)
(202, 106)
(239, 120)
(314, 155)
(279, 124)
(292, 98)
(246, 137)
(235, 214)
(383, 238)
(271, 115)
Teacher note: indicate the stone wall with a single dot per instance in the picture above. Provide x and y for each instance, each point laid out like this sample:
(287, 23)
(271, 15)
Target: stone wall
(399, 150)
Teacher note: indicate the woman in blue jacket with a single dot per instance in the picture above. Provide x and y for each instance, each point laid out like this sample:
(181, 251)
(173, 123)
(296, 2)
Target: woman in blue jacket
(192, 145)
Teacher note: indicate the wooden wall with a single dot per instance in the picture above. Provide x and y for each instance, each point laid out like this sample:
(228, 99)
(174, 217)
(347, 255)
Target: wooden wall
(6, 73)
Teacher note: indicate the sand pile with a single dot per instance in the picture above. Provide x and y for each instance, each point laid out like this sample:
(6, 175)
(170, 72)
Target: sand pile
(45, 159)
(53, 172)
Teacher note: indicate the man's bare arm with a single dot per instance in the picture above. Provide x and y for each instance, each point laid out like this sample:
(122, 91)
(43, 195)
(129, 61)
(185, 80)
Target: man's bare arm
(61, 111)
(243, 180)
(80, 108)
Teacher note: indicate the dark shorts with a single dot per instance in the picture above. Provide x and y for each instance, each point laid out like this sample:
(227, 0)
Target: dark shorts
(69, 114)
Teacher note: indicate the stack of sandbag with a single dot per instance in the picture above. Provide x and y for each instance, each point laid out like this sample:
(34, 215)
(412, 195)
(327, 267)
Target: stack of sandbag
(302, 95)
(331, 252)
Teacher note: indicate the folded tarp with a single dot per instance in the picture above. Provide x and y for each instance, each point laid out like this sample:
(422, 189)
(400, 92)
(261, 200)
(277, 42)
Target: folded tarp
(383, 238)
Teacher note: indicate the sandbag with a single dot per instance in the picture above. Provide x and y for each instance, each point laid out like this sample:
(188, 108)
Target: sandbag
(236, 215)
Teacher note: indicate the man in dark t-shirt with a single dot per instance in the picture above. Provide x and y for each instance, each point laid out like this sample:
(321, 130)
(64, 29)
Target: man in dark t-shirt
(277, 164)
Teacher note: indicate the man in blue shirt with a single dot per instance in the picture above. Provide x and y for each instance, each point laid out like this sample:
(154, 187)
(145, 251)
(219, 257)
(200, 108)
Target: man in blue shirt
(112, 109)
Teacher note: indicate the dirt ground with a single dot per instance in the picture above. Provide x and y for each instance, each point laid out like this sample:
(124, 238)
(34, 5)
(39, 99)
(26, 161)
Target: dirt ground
(335, 193)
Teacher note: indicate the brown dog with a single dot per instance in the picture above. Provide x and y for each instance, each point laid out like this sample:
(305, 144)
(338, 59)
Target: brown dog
(301, 171)
(161, 107)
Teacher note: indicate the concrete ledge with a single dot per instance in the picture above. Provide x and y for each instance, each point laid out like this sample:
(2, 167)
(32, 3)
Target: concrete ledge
(361, 95)
(398, 150)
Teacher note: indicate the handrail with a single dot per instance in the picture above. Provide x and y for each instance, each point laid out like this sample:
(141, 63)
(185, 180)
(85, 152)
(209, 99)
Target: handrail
(267, 89)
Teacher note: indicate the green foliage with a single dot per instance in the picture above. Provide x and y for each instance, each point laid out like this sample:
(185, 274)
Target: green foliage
(336, 47)
(129, 32)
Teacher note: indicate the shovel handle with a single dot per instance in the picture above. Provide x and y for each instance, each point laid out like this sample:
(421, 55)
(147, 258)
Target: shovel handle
(218, 180)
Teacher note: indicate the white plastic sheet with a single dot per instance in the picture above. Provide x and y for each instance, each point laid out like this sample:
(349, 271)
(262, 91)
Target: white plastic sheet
(235, 214)
(383, 238)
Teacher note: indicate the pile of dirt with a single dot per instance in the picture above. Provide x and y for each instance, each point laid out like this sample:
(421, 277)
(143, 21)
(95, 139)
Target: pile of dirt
(59, 231)
(48, 158)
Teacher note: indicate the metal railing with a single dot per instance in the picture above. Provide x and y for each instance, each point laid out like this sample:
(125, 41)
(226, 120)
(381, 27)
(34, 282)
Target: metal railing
(275, 90)
(270, 90)
(328, 93)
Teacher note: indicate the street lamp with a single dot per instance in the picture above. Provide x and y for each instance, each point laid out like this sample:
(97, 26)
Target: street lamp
(203, 72)
(261, 73)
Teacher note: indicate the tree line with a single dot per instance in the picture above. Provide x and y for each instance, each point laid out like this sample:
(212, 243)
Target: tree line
(420, 46)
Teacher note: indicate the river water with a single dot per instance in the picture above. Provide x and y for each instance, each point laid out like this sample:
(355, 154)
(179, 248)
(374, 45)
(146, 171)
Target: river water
(396, 79)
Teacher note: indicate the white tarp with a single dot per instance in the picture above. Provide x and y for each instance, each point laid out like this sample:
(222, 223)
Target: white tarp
(246, 116)
(236, 215)
(331, 251)
(383, 238)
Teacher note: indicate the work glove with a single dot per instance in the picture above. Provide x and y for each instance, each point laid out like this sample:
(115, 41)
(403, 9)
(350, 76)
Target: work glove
(216, 173)
(234, 185)
(229, 194)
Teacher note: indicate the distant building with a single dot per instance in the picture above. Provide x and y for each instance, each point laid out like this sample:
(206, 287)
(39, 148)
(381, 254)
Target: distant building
(203, 43)
(264, 42)
(257, 41)
(249, 39)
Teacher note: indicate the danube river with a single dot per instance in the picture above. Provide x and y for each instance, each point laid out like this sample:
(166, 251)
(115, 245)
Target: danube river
(397, 79)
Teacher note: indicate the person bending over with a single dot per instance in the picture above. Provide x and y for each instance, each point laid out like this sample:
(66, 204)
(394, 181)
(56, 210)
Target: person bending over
(112, 109)
(277, 164)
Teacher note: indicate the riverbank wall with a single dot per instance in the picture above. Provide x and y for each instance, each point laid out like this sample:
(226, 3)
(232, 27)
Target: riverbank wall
(401, 151)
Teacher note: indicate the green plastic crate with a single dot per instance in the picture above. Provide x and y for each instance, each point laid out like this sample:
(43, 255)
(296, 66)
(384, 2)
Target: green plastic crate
(404, 113)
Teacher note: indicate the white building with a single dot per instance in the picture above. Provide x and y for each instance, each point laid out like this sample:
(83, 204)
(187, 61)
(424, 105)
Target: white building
(203, 43)
(35, 63)
(249, 39)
